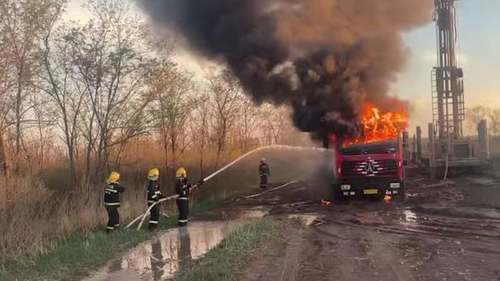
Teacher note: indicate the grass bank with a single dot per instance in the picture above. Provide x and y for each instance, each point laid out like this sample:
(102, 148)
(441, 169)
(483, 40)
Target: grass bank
(72, 258)
(224, 263)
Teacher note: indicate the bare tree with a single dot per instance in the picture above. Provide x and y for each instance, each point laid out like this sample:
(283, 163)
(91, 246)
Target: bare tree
(200, 128)
(494, 118)
(475, 115)
(248, 123)
(40, 132)
(113, 65)
(6, 84)
(23, 26)
(225, 97)
(172, 105)
(275, 121)
(60, 79)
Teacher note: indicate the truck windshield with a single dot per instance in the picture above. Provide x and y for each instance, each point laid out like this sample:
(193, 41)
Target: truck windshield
(372, 148)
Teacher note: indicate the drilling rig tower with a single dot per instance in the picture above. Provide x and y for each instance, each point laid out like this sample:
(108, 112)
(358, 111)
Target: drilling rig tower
(447, 77)
(448, 147)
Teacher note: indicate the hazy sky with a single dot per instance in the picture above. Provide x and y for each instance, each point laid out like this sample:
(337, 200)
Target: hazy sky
(479, 45)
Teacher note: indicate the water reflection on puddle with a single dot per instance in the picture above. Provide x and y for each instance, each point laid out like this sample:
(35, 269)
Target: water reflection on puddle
(410, 216)
(172, 251)
(409, 219)
(161, 258)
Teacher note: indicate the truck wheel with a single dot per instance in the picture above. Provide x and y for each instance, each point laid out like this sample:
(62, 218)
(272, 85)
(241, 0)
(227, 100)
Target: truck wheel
(402, 193)
(338, 196)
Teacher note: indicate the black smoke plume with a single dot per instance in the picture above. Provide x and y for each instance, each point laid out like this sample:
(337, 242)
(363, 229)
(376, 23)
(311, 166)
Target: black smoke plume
(323, 57)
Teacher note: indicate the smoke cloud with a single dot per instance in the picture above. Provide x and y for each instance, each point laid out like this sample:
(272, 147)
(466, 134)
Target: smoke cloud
(325, 58)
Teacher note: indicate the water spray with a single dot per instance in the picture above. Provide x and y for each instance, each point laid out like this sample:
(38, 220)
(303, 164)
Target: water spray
(142, 217)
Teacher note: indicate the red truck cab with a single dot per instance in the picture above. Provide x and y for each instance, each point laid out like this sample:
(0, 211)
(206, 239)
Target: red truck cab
(369, 169)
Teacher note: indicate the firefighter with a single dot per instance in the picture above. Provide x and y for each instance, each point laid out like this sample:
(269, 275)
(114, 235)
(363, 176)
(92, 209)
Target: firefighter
(264, 173)
(154, 195)
(183, 189)
(112, 200)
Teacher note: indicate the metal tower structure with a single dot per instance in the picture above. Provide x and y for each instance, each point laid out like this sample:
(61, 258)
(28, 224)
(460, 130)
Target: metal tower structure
(447, 77)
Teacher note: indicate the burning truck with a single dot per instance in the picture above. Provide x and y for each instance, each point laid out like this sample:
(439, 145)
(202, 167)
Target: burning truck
(372, 164)
(323, 58)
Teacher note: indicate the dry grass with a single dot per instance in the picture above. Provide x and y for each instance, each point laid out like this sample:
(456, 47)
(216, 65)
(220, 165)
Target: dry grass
(33, 216)
(36, 211)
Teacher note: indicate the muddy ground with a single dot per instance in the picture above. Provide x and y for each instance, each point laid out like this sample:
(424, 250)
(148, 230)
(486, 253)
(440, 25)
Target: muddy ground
(449, 232)
(439, 233)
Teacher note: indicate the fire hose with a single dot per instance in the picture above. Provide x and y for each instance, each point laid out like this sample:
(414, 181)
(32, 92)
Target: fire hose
(142, 217)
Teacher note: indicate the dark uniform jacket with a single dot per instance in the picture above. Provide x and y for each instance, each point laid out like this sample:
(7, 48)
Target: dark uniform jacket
(112, 194)
(264, 169)
(182, 188)
(154, 193)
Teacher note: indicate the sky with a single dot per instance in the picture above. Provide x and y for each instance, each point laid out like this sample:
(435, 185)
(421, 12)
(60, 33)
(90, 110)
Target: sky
(479, 47)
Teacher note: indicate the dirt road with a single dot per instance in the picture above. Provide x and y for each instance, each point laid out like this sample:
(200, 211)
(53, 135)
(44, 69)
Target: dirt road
(440, 233)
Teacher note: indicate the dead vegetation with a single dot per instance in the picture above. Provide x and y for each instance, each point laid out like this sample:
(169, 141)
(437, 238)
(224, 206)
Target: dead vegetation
(79, 99)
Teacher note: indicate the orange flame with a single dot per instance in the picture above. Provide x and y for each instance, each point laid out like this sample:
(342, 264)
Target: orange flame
(378, 125)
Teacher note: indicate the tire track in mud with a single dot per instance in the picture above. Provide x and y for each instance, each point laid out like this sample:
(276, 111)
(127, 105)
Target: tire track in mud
(425, 239)
(407, 222)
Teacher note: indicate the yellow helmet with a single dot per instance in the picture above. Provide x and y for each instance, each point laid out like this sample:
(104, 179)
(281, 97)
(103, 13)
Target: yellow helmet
(114, 177)
(154, 174)
(181, 173)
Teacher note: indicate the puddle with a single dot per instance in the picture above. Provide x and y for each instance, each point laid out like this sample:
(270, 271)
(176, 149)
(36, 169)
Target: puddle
(163, 257)
(409, 216)
(252, 213)
(483, 181)
(306, 219)
(465, 211)
(175, 249)
(409, 219)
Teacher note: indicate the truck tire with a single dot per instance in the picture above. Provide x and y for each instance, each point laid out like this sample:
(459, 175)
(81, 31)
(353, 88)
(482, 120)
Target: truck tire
(337, 193)
(402, 193)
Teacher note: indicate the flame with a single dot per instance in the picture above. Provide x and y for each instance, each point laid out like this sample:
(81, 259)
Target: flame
(326, 202)
(378, 125)
(388, 197)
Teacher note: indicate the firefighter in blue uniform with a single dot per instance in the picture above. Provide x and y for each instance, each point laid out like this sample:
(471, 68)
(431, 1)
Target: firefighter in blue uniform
(264, 173)
(154, 195)
(112, 200)
(183, 189)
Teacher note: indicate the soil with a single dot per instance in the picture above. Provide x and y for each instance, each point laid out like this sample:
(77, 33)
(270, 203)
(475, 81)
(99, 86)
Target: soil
(443, 232)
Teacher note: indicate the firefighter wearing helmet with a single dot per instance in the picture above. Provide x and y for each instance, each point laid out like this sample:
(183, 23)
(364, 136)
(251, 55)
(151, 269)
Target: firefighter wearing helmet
(264, 173)
(112, 200)
(154, 195)
(183, 190)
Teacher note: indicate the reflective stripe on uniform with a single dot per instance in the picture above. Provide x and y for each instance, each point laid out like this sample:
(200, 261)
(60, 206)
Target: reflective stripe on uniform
(183, 198)
(154, 196)
(112, 204)
(183, 220)
(110, 227)
(151, 201)
(157, 192)
(111, 190)
(153, 222)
